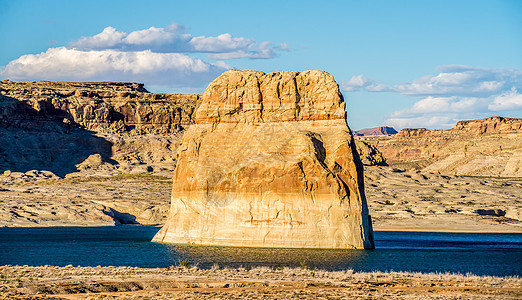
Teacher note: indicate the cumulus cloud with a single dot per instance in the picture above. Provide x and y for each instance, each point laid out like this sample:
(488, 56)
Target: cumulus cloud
(161, 69)
(456, 93)
(510, 100)
(284, 47)
(219, 44)
(173, 39)
(156, 56)
(422, 121)
(462, 81)
(361, 82)
(447, 105)
(108, 38)
(439, 112)
(263, 51)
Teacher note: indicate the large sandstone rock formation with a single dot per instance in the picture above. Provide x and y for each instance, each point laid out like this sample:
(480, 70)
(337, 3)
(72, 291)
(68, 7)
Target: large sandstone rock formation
(269, 162)
(486, 147)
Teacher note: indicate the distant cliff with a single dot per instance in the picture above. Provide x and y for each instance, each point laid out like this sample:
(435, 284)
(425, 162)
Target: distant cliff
(488, 147)
(383, 130)
(97, 106)
(56, 126)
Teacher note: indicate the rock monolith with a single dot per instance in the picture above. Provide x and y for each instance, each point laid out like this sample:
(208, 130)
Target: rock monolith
(269, 162)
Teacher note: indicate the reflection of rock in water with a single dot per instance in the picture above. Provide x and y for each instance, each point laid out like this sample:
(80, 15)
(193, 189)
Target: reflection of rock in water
(235, 257)
(269, 162)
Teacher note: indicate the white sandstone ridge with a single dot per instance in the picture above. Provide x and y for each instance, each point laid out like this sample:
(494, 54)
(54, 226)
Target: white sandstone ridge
(269, 162)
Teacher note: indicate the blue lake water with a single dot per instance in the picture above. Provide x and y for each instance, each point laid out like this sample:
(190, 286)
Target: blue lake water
(497, 254)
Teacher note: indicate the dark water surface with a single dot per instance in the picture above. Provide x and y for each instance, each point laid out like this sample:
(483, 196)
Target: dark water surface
(498, 254)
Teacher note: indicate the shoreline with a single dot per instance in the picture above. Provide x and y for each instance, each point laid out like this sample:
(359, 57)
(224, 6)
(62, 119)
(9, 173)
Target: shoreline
(398, 228)
(385, 228)
(22, 282)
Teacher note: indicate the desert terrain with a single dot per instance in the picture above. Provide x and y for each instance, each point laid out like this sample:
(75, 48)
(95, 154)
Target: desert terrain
(103, 154)
(91, 154)
(398, 200)
(22, 282)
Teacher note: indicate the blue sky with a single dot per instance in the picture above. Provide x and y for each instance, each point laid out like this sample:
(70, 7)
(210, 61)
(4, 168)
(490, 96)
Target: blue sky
(399, 63)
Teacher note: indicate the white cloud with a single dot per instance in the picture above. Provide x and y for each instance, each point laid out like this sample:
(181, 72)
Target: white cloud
(444, 112)
(108, 38)
(361, 82)
(376, 87)
(355, 83)
(446, 104)
(172, 39)
(456, 93)
(157, 56)
(462, 81)
(284, 46)
(219, 44)
(264, 50)
(453, 80)
(422, 121)
(449, 84)
(510, 100)
(160, 69)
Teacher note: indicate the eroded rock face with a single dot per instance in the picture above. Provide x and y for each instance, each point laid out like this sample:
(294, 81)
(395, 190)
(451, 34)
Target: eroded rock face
(485, 147)
(269, 162)
(112, 107)
(54, 126)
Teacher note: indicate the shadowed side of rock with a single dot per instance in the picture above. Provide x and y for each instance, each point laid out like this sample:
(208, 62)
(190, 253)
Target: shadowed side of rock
(269, 162)
(55, 126)
(112, 107)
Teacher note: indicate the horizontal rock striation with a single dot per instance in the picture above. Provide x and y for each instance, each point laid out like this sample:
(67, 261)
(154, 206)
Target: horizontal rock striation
(101, 107)
(486, 147)
(55, 126)
(269, 162)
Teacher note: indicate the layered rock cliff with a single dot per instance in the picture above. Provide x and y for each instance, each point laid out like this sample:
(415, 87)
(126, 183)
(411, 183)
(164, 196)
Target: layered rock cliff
(486, 147)
(55, 126)
(98, 106)
(269, 162)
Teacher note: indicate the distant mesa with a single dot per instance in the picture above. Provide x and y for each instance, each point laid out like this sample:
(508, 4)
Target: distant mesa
(382, 130)
(269, 162)
(484, 147)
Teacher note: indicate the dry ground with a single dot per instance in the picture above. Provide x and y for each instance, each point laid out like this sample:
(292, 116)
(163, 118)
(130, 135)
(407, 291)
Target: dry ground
(421, 201)
(398, 200)
(22, 282)
(85, 201)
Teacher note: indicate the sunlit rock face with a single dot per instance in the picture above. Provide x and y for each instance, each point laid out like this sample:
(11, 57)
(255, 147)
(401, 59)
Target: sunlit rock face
(484, 147)
(269, 162)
